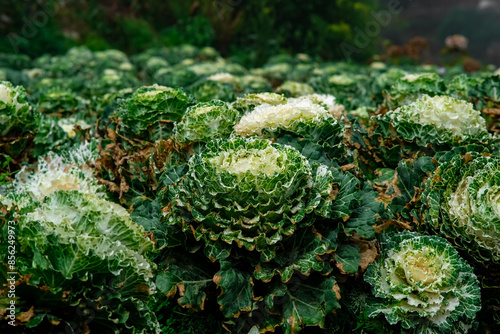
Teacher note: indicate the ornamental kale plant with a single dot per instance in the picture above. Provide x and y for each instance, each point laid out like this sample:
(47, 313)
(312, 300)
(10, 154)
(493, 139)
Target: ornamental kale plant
(461, 203)
(425, 127)
(300, 118)
(233, 193)
(422, 283)
(18, 127)
(150, 112)
(247, 103)
(80, 261)
(204, 122)
(267, 223)
(412, 87)
(59, 101)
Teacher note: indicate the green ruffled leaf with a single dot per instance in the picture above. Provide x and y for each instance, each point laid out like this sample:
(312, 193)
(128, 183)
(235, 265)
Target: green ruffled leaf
(356, 205)
(236, 290)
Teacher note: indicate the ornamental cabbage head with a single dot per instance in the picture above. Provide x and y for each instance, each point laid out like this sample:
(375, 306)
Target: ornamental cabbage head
(486, 95)
(56, 172)
(178, 53)
(452, 120)
(77, 59)
(175, 77)
(254, 84)
(137, 144)
(149, 114)
(248, 206)
(350, 89)
(248, 102)
(383, 81)
(377, 65)
(60, 101)
(460, 86)
(16, 115)
(224, 78)
(277, 71)
(422, 283)
(462, 203)
(234, 69)
(110, 59)
(301, 118)
(153, 64)
(261, 222)
(295, 89)
(15, 61)
(249, 191)
(207, 68)
(341, 80)
(204, 122)
(288, 116)
(111, 80)
(209, 52)
(57, 135)
(207, 90)
(44, 84)
(302, 72)
(413, 86)
(106, 105)
(327, 101)
(424, 127)
(82, 262)
(18, 125)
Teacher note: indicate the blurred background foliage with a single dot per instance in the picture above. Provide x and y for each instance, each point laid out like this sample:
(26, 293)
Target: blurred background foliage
(247, 31)
(477, 20)
(481, 27)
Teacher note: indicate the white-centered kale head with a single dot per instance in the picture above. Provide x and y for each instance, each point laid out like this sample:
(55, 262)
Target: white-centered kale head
(461, 202)
(422, 283)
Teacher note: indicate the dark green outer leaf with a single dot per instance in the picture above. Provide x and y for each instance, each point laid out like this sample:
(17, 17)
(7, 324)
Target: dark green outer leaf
(236, 290)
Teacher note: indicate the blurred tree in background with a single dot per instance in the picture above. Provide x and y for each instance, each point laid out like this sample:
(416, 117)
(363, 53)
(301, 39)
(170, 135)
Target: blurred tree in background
(250, 31)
